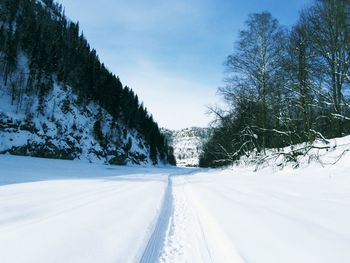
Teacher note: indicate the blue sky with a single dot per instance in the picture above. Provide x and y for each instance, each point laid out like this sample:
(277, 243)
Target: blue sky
(171, 53)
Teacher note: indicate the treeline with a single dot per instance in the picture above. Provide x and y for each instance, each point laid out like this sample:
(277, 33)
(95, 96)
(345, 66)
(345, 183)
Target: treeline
(284, 86)
(58, 52)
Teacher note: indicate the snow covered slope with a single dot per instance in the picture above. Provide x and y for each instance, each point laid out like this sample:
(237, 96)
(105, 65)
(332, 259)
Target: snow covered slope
(187, 144)
(66, 130)
(59, 126)
(320, 152)
(58, 100)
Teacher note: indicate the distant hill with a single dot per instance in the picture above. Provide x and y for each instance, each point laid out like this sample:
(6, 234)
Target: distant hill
(187, 144)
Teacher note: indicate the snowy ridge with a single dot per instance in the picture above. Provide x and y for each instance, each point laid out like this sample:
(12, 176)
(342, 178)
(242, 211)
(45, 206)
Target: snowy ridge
(187, 144)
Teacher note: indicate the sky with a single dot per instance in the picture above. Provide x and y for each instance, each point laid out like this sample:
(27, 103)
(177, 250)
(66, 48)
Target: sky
(171, 52)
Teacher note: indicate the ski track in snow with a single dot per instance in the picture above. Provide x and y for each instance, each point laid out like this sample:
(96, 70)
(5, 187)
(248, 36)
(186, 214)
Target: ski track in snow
(185, 225)
(193, 235)
(154, 215)
(164, 222)
(242, 219)
(155, 243)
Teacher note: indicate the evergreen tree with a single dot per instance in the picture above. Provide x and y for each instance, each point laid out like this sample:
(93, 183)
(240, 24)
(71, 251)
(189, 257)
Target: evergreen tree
(58, 51)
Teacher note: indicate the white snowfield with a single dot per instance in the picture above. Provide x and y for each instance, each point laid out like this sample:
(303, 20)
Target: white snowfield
(69, 211)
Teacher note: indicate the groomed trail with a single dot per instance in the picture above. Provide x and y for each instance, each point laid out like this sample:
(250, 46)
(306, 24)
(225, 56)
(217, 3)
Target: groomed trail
(64, 211)
(241, 216)
(185, 232)
(193, 235)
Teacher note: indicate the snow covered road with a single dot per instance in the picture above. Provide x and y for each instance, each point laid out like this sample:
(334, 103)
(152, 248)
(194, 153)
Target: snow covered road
(61, 211)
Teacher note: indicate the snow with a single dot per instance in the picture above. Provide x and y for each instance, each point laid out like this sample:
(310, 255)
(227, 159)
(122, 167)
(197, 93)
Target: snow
(270, 215)
(286, 216)
(320, 153)
(73, 211)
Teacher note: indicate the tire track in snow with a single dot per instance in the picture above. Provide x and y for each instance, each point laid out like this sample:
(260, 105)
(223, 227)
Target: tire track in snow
(155, 243)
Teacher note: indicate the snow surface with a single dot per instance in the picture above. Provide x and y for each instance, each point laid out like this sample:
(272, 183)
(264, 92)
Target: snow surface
(242, 216)
(73, 211)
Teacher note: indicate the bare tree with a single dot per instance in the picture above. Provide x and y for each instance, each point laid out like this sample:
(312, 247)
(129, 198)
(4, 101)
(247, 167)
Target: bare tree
(328, 22)
(254, 67)
(303, 72)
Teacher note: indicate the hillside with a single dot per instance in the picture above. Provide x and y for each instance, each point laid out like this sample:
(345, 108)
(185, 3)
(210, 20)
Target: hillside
(187, 144)
(58, 100)
(66, 130)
